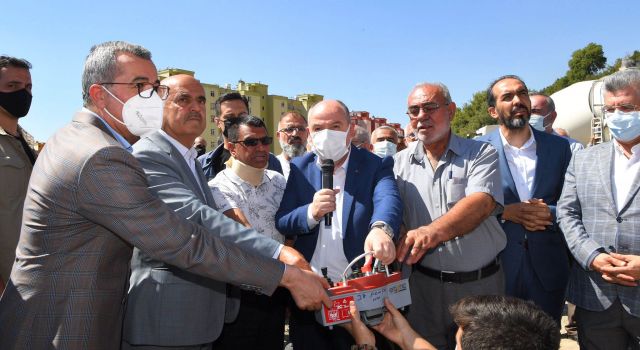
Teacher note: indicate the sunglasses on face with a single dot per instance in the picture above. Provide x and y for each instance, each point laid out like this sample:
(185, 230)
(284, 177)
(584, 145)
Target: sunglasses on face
(266, 141)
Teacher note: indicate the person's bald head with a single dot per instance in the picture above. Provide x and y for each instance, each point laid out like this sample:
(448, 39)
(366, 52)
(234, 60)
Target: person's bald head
(332, 115)
(184, 111)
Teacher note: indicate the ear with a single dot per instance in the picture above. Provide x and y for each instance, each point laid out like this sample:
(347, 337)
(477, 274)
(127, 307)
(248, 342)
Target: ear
(452, 110)
(231, 147)
(98, 96)
(492, 112)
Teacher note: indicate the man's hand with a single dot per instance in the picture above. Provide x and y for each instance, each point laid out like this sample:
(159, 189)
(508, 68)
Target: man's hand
(307, 288)
(290, 256)
(358, 330)
(419, 241)
(533, 214)
(324, 201)
(623, 269)
(396, 328)
(381, 245)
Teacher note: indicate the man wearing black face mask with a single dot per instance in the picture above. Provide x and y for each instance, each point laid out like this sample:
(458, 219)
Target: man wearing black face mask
(16, 155)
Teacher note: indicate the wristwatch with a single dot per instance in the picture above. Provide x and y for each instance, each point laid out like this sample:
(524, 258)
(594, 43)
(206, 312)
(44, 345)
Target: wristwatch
(384, 227)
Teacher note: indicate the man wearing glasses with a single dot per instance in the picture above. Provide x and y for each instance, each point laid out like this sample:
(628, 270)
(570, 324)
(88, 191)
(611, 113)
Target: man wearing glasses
(228, 106)
(87, 206)
(292, 135)
(450, 187)
(250, 194)
(599, 213)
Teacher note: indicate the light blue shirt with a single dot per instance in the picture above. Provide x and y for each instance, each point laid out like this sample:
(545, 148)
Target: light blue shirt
(125, 144)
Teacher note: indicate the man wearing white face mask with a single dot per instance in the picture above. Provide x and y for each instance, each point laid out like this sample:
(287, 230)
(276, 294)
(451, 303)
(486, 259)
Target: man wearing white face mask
(599, 213)
(365, 206)
(543, 114)
(385, 141)
(87, 206)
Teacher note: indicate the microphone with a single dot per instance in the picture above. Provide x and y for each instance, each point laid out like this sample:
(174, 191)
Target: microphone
(327, 182)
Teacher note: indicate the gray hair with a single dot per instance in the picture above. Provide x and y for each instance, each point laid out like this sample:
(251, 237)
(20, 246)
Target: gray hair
(100, 65)
(395, 132)
(621, 80)
(551, 106)
(361, 135)
(443, 89)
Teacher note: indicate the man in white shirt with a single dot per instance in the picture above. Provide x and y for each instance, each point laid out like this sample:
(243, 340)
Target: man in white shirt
(292, 135)
(169, 307)
(532, 167)
(250, 194)
(599, 213)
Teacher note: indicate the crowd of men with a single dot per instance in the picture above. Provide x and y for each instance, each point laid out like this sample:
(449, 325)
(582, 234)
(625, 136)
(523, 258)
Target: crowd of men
(126, 233)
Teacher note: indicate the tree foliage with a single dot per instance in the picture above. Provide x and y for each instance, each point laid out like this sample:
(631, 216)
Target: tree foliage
(588, 63)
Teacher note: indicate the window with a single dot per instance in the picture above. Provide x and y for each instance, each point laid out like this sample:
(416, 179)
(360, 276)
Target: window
(282, 104)
(213, 93)
(213, 132)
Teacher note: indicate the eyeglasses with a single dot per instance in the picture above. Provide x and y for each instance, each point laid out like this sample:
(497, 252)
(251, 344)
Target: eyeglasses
(290, 130)
(427, 108)
(146, 89)
(624, 108)
(266, 141)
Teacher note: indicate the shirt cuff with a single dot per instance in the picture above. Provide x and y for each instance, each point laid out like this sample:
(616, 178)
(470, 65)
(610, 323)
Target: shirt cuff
(311, 221)
(277, 253)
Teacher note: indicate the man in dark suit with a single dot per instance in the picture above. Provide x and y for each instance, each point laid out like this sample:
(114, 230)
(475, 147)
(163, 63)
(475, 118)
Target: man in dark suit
(532, 166)
(88, 204)
(230, 105)
(157, 289)
(365, 204)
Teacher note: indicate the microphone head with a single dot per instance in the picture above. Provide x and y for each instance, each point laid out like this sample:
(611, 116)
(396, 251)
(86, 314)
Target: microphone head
(327, 164)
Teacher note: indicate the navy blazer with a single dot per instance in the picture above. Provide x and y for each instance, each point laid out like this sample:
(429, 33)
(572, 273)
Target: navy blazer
(207, 162)
(547, 249)
(370, 195)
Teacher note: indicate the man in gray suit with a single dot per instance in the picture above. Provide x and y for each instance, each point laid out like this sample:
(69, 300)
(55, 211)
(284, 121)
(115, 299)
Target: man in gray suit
(88, 204)
(599, 213)
(165, 306)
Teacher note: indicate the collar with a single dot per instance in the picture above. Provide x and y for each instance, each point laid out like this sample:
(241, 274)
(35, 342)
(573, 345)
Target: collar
(113, 132)
(635, 150)
(418, 154)
(188, 153)
(345, 164)
(530, 142)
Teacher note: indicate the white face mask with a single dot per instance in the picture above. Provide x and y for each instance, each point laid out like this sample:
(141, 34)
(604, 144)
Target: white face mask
(624, 127)
(537, 122)
(140, 115)
(384, 148)
(330, 144)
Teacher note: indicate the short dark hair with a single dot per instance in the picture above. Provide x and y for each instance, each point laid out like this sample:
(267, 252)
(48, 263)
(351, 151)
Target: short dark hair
(230, 96)
(9, 61)
(232, 125)
(499, 322)
(491, 100)
(551, 106)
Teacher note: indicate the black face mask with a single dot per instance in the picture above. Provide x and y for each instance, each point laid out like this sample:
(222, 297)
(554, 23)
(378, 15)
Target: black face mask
(201, 150)
(17, 103)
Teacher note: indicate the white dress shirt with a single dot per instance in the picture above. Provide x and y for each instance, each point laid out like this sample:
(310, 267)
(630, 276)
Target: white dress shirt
(625, 171)
(286, 167)
(329, 250)
(522, 164)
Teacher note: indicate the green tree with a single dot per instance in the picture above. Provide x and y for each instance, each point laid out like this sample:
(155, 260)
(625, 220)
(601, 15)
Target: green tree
(472, 116)
(585, 64)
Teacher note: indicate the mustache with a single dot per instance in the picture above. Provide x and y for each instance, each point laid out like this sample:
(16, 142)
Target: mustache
(295, 138)
(194, 114)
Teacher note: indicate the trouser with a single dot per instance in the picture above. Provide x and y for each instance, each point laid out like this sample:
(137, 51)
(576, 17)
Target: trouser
(611, 329)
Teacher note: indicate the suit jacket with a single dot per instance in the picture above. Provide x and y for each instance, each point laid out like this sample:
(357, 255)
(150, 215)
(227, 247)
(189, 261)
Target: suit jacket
(547, 249)
(370, 195)
(168, 306)
(590, 221)
(87, 205)
(209, 160)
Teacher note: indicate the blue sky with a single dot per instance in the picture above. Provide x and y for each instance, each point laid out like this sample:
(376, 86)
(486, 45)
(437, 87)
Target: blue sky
(367, 53)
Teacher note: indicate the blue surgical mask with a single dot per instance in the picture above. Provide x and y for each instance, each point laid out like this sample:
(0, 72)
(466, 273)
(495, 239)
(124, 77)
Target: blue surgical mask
(624, 127)
(384, 148)
(537, 122)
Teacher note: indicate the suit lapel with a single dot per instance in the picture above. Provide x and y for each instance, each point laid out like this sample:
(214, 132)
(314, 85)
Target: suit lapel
(173, 153)
(507, 178)
(314, 174)
(605, 157)
(204, 186)
(542, 153)
(633, 191)
(353, 173)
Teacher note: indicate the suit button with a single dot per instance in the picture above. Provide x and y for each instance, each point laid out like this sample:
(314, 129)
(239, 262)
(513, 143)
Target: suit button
(619, 219)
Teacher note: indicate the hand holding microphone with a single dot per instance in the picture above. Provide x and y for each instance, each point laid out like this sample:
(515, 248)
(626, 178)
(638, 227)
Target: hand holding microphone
(324, 201)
